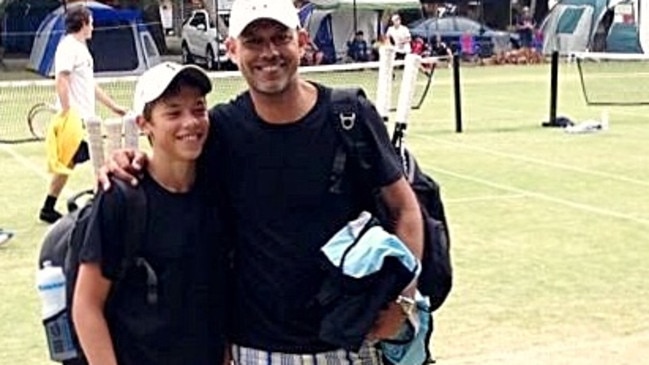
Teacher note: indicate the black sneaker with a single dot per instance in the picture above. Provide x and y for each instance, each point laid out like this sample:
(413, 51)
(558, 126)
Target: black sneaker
(49, 216)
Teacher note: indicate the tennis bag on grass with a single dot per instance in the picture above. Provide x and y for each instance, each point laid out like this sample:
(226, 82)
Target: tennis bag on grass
(59, 264)
(436, 278)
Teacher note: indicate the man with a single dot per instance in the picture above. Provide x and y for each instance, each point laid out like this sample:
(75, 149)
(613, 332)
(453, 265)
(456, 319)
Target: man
(271, 152)
(525, 26)
(183, 245)
(399, 36)
(75, 89)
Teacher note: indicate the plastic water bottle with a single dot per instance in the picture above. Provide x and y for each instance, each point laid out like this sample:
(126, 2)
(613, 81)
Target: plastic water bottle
(50, 282)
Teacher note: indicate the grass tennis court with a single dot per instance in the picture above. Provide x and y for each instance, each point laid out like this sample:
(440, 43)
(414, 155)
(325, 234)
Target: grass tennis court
(550, 230)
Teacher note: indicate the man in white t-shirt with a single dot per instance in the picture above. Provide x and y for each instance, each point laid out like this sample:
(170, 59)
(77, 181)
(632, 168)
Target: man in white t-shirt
(75, 89)
(399, 36)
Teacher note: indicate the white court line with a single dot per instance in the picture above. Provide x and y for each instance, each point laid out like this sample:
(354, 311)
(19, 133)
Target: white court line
(39, 171)
(541, 196)
(485, 198)
(541, 162)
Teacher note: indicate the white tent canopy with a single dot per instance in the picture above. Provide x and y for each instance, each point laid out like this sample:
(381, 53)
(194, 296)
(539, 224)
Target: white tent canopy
(620, 26)
(337, 16)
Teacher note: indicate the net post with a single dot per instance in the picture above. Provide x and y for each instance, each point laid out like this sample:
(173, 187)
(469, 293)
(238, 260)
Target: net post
(554, 87)
(554, 94)
(457, 93)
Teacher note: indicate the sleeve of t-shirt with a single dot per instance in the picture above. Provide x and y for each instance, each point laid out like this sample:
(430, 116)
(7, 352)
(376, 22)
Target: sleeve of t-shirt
(63, 58)
(103, 243)
(384, 161)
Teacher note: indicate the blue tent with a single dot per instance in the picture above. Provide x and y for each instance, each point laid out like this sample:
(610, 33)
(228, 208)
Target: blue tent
(121, 44)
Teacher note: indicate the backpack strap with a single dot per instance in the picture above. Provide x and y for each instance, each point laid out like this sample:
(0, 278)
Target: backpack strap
(134, 234)
(346, 116)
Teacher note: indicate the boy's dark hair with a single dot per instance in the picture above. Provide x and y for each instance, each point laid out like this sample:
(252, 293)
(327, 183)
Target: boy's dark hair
(75, 18)
(172, 90)
(360, 32)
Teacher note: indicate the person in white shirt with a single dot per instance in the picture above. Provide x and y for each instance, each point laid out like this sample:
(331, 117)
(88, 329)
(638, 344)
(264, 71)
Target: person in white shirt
(75, 89)
(399, 36)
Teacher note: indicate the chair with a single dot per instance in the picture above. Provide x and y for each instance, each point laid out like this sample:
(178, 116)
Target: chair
(469, 48)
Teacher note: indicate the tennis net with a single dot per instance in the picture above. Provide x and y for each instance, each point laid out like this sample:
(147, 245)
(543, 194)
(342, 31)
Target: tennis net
(614, 78)
(23, 100)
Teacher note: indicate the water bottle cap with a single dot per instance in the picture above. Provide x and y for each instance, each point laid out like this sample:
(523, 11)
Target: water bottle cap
(47, 263)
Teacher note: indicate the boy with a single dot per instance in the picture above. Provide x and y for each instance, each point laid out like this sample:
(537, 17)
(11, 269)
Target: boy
(115, 320)
(75, 89)
(357, 48)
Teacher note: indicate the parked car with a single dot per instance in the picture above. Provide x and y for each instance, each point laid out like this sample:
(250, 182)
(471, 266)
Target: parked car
(201, 42)
(452, 28)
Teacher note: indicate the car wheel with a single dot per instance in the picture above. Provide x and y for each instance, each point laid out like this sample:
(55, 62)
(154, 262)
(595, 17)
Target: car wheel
(187, 57)
(211, 63)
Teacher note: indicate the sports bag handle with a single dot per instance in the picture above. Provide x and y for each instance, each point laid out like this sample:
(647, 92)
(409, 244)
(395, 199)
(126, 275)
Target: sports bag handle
(72, 202)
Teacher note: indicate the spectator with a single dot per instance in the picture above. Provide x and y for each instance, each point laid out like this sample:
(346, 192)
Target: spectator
(312, 55)
(525, 28)
(357, 48)
(419, 47)
(399, 36)
(382, 40)
(440, 49)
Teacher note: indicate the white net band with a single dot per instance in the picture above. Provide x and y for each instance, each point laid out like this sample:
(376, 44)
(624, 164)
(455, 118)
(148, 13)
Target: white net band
(614, 78)
(610, 57)
(19, 97)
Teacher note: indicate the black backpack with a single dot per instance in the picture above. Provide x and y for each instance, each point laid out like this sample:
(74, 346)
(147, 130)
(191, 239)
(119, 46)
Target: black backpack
(62, 245)
(436, 278)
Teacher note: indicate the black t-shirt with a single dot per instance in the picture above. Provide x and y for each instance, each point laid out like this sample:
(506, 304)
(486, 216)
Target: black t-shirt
(183, 246)
(276, 179)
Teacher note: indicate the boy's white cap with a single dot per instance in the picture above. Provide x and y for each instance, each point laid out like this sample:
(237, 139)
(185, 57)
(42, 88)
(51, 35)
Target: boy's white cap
(154, 81)
(244, 12)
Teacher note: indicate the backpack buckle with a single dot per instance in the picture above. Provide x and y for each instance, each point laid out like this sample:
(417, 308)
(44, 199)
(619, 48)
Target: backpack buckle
(347, 120)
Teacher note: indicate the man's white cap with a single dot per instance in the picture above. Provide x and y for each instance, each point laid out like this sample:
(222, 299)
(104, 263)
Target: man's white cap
(154, 81)
(244, 12)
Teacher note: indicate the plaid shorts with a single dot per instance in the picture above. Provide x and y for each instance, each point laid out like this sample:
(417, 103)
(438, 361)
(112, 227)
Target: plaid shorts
(367, 355)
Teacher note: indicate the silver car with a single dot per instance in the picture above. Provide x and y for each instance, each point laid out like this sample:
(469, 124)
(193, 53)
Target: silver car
(202, 43)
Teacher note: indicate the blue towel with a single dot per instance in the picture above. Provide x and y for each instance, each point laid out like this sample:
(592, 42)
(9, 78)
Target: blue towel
(369, 250)
(410, 346)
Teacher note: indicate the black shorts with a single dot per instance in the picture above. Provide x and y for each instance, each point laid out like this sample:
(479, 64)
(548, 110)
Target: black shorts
(82, 155)
(399, 56)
